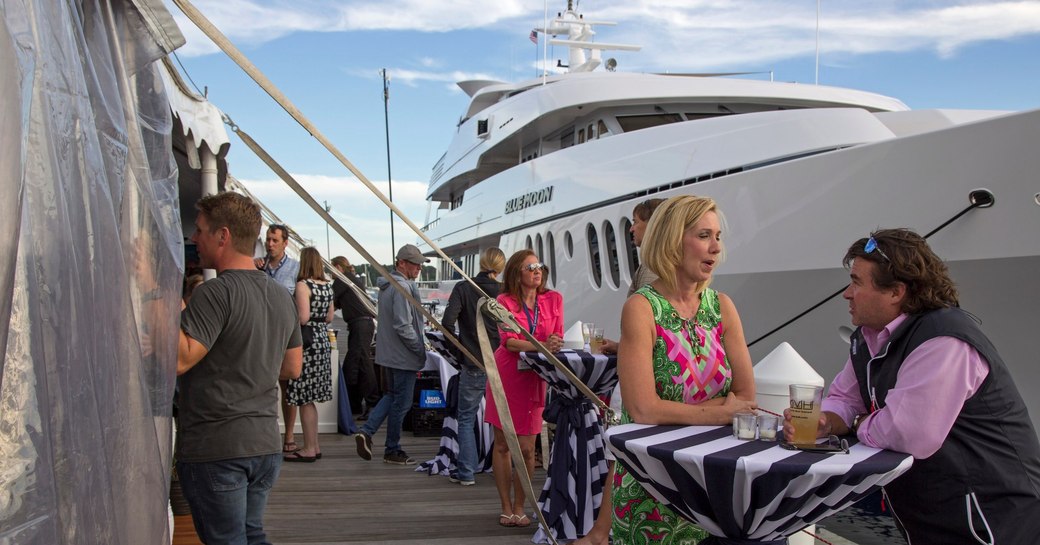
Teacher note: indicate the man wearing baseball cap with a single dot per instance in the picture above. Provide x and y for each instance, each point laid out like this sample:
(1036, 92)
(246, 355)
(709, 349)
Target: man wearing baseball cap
(400, 349)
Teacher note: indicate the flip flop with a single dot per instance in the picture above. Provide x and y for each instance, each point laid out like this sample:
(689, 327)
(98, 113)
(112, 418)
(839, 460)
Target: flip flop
(506, 520)
(297, 457)
(290, 447)
(522, 521)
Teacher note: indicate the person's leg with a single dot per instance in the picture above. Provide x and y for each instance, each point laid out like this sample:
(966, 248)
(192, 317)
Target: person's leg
(368, 375)
(519, 494)
(472, 383)
(288, 417)
(261, 480)
(217, 493)
(403, 392)
(502, 468)
(309, 420)
(600, 532)
(377, 415)
(352, 368)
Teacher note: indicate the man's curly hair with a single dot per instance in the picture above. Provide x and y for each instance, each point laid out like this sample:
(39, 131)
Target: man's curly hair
(905, 257)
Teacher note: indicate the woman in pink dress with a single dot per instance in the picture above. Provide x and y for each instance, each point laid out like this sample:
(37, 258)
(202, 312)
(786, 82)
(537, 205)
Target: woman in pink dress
(540, 310)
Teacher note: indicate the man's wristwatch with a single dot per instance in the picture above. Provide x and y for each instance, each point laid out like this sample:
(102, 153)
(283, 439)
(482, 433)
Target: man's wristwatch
(857, 420)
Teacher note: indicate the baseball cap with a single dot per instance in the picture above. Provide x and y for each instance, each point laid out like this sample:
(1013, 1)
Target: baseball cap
(411, 254)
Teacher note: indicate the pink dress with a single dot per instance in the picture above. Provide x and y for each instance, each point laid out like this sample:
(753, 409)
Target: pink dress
(525, 390)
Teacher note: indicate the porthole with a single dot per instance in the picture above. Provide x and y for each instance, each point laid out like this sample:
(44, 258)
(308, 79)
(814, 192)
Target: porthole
(568, 244)
(551, 258)
(630, 246)
(594, 255)
(612, 254)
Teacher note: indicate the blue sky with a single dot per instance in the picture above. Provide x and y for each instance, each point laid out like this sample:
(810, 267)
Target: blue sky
(326, 56)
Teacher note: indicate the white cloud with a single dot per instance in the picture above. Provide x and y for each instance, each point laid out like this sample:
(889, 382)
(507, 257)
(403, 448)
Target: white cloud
(676, 34)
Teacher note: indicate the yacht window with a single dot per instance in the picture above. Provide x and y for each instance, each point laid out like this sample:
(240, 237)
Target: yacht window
(612, 254)
(601, 129)
(538, 246)
(594, 257)
(529, 246)
(551, 258)
(630, 246)
(568, 244)
(567, 138)
(631, 123)
(591, 131)
(694, 117)
(581, 136)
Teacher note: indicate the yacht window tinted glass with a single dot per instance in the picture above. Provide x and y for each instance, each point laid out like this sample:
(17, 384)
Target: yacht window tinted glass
(551, 257)
(528, 245)
(568, 243)
(631, 123)
(612, 254)
(630, 246)
(538, 246)
(594, 255)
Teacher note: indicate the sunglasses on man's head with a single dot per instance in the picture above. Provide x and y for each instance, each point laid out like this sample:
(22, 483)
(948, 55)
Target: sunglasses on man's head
(533, 267)
(872, 246)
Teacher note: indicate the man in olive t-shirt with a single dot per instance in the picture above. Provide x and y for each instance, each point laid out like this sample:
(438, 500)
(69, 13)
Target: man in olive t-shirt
(239, 334)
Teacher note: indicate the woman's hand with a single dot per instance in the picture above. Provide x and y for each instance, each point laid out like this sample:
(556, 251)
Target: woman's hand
(554, 343)
(734, 404)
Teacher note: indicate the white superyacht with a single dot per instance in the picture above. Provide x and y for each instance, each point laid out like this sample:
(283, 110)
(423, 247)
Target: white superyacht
(800, 171)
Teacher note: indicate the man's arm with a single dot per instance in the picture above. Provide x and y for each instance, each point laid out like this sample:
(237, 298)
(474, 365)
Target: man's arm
(292, 364)
(189, 353)
(932, 385)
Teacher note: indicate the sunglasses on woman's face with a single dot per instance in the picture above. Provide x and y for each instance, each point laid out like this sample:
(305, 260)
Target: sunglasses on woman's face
(533, 267)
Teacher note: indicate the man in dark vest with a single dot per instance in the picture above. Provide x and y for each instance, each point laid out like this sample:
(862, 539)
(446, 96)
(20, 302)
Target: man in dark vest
(923, 379)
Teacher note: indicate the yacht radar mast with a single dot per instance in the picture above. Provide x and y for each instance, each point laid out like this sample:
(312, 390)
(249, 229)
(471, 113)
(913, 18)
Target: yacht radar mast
(579, 38)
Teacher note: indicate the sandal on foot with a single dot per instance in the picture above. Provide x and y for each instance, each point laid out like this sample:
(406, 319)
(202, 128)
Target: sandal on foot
(297, 457)
(506, 520)
(521, 521)
(290, 447)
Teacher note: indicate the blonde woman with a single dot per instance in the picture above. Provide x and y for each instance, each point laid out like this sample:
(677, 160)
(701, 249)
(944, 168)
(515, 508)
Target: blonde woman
(682, 358)
(314, 304)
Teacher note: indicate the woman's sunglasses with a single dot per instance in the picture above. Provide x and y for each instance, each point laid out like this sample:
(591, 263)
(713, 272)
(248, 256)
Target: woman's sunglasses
(534, 267)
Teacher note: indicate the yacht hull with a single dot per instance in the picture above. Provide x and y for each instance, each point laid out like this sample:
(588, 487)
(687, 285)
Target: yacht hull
(789, 224)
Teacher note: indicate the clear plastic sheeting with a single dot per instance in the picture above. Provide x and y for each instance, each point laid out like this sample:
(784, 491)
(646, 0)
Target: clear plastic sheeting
(90, 274)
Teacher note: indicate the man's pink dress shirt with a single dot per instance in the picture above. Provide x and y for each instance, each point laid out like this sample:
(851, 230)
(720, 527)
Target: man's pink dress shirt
(932, 385)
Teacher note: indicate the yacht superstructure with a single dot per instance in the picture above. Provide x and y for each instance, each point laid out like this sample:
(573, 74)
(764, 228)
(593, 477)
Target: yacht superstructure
(557, 164)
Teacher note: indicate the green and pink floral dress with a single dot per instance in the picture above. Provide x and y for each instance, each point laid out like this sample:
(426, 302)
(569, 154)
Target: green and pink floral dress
(690, 366)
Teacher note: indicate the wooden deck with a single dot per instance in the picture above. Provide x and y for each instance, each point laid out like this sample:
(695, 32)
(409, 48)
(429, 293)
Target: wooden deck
(344, 499)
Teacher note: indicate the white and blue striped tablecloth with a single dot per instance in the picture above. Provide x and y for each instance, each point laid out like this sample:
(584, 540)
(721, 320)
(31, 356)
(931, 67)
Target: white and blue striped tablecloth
(748, 491)
(573, 489)
(442, 359)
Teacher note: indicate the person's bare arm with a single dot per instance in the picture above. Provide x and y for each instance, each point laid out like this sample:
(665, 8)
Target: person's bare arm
(736, 350)
(189, 353)
(292, 364)
(303, 302)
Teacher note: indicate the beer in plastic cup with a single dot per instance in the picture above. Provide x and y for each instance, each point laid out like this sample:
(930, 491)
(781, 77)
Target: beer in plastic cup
(596, 343)
(805, 412)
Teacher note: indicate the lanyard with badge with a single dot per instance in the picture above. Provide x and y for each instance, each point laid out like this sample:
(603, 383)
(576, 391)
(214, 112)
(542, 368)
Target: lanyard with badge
(532, 325)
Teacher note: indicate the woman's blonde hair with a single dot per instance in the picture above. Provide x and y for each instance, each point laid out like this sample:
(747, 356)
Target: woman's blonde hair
(311, 267)
(663, 241)
(493, 259)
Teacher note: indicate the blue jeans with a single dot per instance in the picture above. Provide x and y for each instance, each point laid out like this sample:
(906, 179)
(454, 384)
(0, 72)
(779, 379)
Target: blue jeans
(472, 382)
(392, 407)
(228, 497)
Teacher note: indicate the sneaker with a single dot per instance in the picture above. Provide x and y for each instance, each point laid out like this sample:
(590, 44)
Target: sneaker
(399, 458)
(364, 445)
(454, 478)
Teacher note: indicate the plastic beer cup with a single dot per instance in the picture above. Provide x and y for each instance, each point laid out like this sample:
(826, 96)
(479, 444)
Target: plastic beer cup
(805, 412)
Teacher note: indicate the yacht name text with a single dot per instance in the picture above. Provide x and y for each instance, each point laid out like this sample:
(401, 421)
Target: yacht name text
(533, 198)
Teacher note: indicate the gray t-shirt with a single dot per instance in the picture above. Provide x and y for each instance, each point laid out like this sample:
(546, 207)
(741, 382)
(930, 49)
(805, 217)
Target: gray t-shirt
(228, 404)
